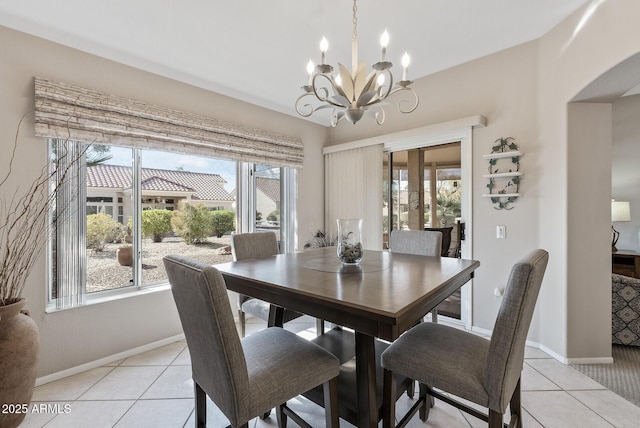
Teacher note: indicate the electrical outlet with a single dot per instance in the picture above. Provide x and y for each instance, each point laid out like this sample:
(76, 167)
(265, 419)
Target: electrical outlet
(501, 232)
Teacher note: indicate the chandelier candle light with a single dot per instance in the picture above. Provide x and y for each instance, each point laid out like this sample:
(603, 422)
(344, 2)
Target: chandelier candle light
(350, 95)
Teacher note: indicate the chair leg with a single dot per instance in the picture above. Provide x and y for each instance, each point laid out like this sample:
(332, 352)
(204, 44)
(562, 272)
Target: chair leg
(516, 407)
(276, 316)
(495, 419)
(242, 320)
(281, 416)
(428, 402)
(201, 406)
(331, 403)
(388, 399)
(319, 327)
(434, 315)
(411, 389)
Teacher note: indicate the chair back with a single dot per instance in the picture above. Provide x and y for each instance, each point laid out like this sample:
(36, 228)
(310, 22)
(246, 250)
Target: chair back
(506, 350)
(446, 238)
(217, 359)
(256, 245)
(418, 242)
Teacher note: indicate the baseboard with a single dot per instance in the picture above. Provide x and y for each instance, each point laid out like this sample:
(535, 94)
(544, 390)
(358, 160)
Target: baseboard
(107, 360)
(601, 360)
(552, 354)
(481, 330)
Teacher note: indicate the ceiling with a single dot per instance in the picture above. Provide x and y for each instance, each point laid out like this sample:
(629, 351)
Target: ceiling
(257, 50)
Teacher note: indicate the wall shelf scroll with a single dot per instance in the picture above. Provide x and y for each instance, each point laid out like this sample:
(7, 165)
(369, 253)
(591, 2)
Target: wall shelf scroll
(504, 173)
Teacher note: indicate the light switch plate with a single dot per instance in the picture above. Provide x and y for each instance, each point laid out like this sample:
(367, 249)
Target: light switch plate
(501, 232)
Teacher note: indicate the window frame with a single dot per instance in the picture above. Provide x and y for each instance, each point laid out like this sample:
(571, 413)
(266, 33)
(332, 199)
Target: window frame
(244, 207)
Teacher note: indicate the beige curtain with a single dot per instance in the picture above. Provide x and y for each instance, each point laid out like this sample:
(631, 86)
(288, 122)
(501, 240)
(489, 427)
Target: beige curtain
(353, 189)
(71, 112)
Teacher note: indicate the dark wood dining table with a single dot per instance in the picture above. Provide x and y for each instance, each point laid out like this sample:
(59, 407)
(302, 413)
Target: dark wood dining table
(381, 298)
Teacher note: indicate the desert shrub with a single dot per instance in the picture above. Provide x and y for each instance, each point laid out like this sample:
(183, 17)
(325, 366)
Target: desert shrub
(100, 229)
(192, 222)
(223, 222)
(156, 224)
(274, 215)
(117, 234)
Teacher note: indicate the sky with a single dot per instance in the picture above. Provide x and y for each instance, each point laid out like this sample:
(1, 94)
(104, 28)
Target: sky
(172, 161)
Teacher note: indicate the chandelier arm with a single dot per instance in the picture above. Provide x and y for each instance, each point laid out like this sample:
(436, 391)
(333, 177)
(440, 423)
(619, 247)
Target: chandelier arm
(325, 98)
(336, 116)
(414, 104)
(386, 86)
(304, 107)
(378, 114)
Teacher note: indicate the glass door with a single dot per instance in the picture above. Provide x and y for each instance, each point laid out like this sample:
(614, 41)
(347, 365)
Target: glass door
(422, 191)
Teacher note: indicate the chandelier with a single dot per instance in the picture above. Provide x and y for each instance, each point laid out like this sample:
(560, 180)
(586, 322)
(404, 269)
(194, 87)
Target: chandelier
(352, 94)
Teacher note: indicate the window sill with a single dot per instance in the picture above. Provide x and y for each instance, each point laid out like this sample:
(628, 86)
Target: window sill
(111, 295)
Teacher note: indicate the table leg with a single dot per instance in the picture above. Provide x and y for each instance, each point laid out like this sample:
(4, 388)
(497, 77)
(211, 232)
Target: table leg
(276, 316)
(366, 379)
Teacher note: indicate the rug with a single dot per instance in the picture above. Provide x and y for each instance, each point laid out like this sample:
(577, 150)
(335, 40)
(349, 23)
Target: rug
(621, 377)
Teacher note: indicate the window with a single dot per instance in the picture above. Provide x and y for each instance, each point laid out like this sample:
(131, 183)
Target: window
(129, 210)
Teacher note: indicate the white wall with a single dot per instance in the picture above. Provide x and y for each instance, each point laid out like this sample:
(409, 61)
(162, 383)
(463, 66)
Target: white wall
(73, 337)
(625, 170)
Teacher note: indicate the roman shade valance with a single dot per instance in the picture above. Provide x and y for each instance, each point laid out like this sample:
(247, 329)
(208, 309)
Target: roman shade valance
(80, 114)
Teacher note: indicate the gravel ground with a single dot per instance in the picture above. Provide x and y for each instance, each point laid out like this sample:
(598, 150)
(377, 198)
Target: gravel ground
(104, 272)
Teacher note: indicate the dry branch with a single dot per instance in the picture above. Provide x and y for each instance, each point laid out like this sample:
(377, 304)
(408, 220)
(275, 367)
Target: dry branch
(26, 222)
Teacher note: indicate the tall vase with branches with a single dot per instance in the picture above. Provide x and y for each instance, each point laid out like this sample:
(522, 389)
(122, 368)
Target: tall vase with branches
(26, 221)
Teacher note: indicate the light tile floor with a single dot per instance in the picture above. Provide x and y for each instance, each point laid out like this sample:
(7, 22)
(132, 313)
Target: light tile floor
(154, 389)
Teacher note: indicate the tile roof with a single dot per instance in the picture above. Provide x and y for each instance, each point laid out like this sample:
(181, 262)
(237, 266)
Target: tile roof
(157, 183)
(205, 187)
(270, 187)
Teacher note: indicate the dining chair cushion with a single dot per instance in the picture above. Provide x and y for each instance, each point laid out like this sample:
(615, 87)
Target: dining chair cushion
(435, 345)
(278, 362)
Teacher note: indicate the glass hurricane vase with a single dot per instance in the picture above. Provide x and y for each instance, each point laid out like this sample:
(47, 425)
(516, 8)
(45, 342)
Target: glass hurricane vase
(350, 241)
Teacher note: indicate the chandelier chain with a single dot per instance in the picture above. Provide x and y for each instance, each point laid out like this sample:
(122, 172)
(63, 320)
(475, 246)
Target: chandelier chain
(355, 22)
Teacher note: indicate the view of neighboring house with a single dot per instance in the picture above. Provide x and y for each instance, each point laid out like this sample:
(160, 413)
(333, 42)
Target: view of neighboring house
(267, 199)
(109, 190)
(268, 196)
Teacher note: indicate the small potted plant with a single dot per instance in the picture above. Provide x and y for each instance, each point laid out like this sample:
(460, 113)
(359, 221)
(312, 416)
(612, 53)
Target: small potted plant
(125, 255)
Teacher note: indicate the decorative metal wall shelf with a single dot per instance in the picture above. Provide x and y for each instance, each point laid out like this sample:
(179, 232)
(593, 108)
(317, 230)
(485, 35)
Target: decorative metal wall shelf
(504, 178)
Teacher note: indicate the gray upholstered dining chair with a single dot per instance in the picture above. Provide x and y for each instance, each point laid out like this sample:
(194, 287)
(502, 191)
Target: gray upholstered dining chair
(244, 378)
(256, 245)
(485, 372)
(419, 242)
